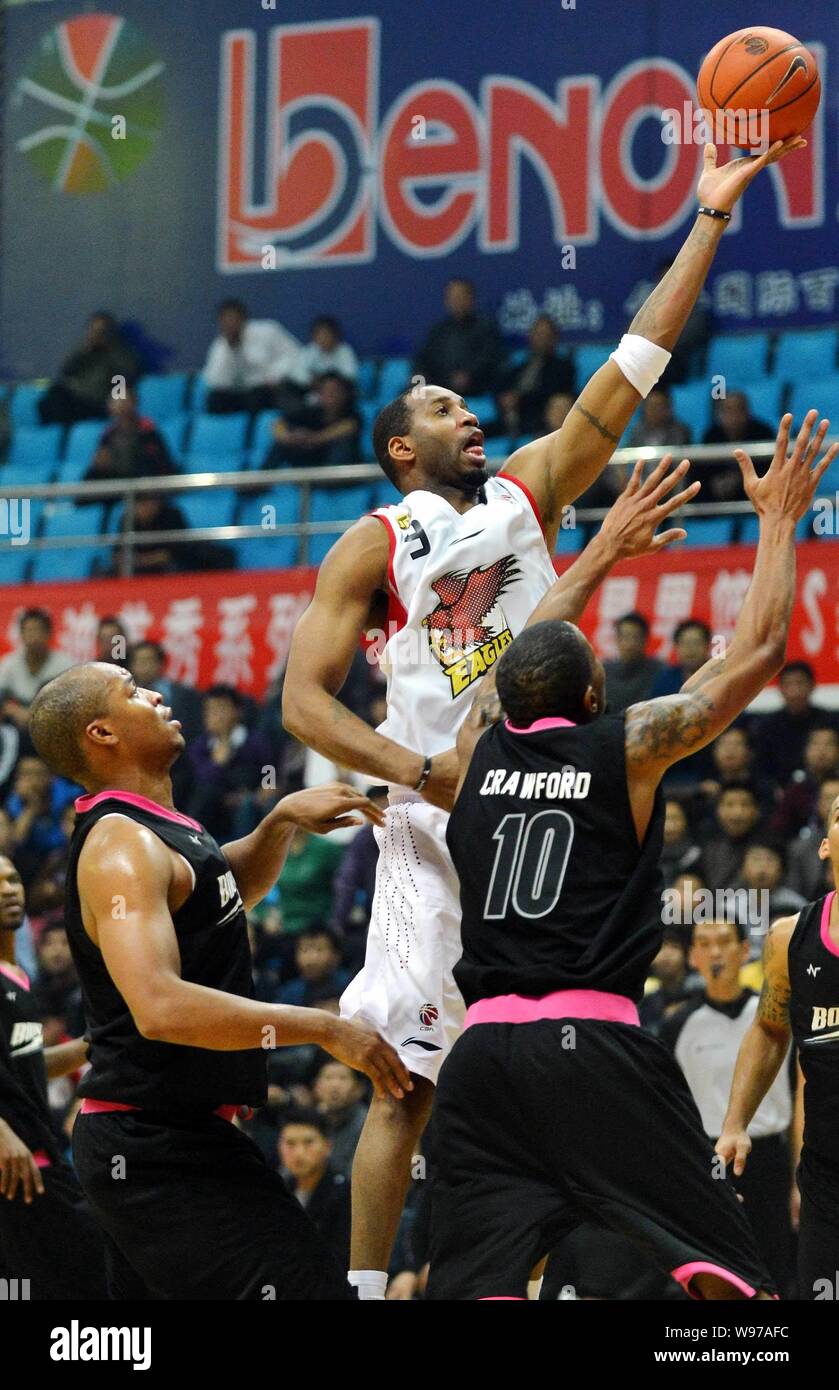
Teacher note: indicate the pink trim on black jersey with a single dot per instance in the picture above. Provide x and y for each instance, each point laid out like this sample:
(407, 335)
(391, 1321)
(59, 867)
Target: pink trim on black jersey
(686, 1272)
(508, 478)
(539, 724)
(397, 613)
(827, 941)
(15, 974)
(87, 803)
(562, 1003)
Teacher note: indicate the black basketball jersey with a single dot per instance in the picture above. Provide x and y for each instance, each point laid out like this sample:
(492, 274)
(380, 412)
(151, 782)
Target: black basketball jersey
(555, 891)
(211, 929)
(813, 962)
(23, 1074)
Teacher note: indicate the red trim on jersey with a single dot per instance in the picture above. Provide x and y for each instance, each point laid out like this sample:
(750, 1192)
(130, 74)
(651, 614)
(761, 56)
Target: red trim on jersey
(15, 974)
(508, 478)
(827, 940)
(397, 613)
(87, 803)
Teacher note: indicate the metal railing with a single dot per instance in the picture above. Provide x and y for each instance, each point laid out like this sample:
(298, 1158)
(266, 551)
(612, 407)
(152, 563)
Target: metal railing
(260, 481)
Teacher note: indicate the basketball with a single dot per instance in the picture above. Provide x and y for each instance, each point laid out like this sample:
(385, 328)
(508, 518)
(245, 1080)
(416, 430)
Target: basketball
(763, 78)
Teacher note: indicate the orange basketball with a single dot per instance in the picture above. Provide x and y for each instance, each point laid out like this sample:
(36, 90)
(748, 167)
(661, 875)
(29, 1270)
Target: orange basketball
(758, 71)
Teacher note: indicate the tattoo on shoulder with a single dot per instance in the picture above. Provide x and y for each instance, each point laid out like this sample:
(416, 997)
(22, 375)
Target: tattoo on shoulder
(598, 424)
(773, 1006)
(670, 727)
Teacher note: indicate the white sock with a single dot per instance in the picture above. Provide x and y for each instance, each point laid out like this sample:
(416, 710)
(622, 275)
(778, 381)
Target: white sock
(371, 1283)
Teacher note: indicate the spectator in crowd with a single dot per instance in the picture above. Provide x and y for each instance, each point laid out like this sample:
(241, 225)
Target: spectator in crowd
(339, 1099)
(327, 433)
(705, 1036)
(227, 761)
(56, 982)
(630, 675)
(763, 873)
(670, 981)
(733, 756)
(24, 671)
(88, 377)
(782, 735)
(737, 814)
(304, 1148)
(680, 852)
(800, 797)
(805, 870)
(246, 361)
(734, 425)
(657, 424)
(111, 641)
(35, 806)
(45, 890)
(463, 351)
(319, 974)
(306, 880)
(131, 447)
(526, 389)
(693, 339)
(692, 643)
(326, 354)
(152, 512)
(146, 661)
(557, 408)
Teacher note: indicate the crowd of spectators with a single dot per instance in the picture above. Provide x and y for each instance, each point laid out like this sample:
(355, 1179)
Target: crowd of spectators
(748, 822)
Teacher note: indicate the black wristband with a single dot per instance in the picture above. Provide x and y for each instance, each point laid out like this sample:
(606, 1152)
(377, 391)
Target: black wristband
(424, 776)
(715, 212)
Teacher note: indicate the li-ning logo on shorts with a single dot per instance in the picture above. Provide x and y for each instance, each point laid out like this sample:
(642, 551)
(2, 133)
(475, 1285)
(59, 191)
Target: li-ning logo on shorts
(467, 631)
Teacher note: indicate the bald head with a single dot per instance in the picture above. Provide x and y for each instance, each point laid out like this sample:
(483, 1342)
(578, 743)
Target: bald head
(61, 712)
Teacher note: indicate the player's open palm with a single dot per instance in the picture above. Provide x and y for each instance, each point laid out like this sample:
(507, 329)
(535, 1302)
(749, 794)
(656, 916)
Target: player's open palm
(328, 807)
(630, 527)
(359, 1046)
(720, 188)
(788, 486)
(734, 1147)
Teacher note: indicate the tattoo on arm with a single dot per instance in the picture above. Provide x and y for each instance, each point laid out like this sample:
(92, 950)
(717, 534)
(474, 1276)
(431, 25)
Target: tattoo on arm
(669, 292)
(668, 729)
(773, 1005)
(486, 709)
(598, 424)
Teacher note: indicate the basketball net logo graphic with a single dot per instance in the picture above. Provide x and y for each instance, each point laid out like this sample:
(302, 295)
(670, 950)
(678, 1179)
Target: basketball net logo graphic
(468, 631)
(92, 100)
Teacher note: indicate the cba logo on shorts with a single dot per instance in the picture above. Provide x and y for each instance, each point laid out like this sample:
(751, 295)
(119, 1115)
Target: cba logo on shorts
(428, 1015)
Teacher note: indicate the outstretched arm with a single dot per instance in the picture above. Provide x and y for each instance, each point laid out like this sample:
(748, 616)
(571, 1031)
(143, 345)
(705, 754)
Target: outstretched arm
(762, 1050)
(559, 467)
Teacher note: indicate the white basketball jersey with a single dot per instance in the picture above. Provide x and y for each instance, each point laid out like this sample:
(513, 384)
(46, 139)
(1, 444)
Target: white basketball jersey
(461, 587)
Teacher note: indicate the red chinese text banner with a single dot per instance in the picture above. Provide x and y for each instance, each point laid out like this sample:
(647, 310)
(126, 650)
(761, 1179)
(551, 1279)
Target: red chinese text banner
(235, 628)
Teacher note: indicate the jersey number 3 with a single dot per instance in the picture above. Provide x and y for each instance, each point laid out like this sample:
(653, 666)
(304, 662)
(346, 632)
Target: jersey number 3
(530, 864)
(416, 533)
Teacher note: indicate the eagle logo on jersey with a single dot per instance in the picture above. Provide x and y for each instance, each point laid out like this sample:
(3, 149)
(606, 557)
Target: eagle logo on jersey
(467, 631)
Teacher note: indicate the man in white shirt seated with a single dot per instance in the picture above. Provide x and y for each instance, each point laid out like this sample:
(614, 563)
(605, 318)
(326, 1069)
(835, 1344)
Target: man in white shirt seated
(325, 354)
(23, 672)
(247, 361)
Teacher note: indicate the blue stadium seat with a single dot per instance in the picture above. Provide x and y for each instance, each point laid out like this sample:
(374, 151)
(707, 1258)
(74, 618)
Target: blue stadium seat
(197, 395)
(385, 494)
(83, 440)
(499, 447)
(765, 398)
(14, 563)
(368, 410)
(368, 373)
(15, 559)
(213, 506)
(274, 552)
(219, 434)
(24, 404)
(569, 540)
(484, 407)
(746, 529)
(36, 448)
(821, 394)
(173, 432)
(806, 352)
(588, 358)
(262, 437)
(706, 530)
(161, 397)
(692, 405)
(213, 463)
(394, 376)
(22, 476)
(336, 504)
(737, 356)
(66, 519)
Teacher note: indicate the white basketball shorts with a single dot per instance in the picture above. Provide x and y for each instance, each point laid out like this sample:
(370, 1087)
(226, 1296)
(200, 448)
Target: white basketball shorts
(406, 989)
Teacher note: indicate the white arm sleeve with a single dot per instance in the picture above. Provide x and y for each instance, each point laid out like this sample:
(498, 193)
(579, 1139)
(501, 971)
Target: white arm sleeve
(641, 361)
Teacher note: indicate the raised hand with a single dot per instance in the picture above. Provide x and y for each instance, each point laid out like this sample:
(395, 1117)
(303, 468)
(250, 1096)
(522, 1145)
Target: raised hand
(720, 188)
(788, 486)
(630, 526)
(328, 807)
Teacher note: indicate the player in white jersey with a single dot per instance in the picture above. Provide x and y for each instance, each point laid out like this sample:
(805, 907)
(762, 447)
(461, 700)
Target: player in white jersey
(449, 576)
